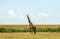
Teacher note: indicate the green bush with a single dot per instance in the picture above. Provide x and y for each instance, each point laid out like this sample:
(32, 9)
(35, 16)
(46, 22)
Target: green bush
(2, 30)
(58, 29)
(28, 30)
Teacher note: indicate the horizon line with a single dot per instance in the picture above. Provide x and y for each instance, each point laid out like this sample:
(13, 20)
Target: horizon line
(28, 24)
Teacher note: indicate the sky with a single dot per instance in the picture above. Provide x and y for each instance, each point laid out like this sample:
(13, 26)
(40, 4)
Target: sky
(39, 11)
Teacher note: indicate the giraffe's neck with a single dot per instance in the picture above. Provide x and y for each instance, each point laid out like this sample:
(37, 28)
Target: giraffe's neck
(28, 19)
(30, 23)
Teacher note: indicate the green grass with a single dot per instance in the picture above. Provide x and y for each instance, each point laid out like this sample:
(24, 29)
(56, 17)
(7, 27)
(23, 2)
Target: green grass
(26, 26)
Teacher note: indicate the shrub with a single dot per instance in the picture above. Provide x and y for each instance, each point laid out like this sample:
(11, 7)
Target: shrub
(28, 30)
(2, 30)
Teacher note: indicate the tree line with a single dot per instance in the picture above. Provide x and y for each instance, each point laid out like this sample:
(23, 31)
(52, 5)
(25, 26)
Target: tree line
(28, 30)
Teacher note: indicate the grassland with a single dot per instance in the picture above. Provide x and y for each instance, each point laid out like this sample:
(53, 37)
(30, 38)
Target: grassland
(26, 26)
(28, 35)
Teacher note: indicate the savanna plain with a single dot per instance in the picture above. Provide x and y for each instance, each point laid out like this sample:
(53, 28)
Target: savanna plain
(28, 35)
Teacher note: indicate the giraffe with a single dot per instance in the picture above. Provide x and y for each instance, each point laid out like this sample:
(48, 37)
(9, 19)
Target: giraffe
(32, 27)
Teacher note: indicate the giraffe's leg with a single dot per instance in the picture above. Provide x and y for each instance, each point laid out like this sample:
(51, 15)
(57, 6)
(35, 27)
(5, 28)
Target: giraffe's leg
(31, 30)
(34, 30)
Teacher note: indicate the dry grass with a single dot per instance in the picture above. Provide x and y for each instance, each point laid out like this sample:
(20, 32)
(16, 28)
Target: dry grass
(27, 35)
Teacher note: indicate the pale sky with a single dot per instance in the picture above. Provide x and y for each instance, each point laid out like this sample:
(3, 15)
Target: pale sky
(39, 11)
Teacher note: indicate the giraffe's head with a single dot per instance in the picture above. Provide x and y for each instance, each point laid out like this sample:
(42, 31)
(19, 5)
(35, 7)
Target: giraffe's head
(27, 15)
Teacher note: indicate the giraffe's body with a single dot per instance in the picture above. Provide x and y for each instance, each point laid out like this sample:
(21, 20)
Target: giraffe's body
(32, 27)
